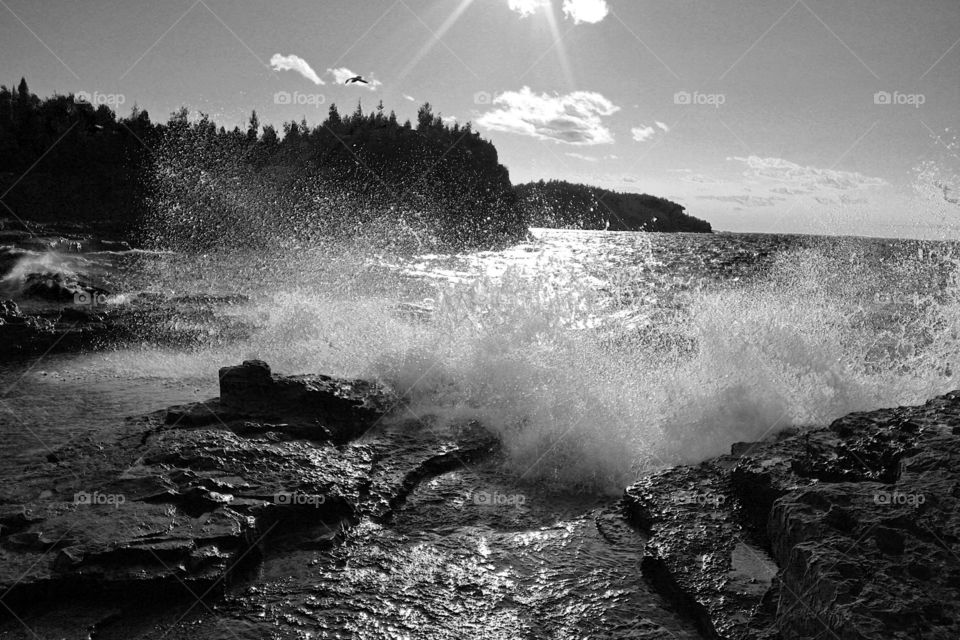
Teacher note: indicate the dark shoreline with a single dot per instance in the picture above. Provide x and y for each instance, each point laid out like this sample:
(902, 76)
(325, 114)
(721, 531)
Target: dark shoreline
(783, 539)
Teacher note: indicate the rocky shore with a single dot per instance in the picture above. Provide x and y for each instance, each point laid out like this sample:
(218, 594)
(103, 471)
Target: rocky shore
(850, 531)
(50, 302)
(847, 532)
(187, 498)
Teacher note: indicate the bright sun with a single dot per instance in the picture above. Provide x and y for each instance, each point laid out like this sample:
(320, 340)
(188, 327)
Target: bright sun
(524, 8)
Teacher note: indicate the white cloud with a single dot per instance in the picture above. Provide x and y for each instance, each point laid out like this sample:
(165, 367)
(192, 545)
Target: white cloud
(580, 156)
(410, 98)
(574, 118)
(663, 127)
(342, 74)
(810, 178)
(591, 11)
(697, 178)
(642, 133)
(295, 63)
(527, 7)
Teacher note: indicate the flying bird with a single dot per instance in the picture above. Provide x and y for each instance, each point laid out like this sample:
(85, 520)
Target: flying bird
(355, 79)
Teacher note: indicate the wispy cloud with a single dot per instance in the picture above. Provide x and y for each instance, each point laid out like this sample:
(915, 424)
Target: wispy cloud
(342, 74)
(591, 11)
(806, 177)
(574, 118)
(663, 127)
(746, 200)
(410, 98)
(698, 178)
(586, 158)
(642, 133)
(295, 63)
(790, 191)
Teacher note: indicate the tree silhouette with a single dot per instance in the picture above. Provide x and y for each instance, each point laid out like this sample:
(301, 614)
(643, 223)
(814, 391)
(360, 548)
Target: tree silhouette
(444, 184)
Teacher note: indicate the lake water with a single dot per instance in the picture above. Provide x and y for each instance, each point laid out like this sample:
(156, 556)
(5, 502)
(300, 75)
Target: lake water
(595, 357)
(643, 349)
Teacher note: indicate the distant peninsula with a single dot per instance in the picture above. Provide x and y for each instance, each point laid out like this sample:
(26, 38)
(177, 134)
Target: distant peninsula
(563, 205)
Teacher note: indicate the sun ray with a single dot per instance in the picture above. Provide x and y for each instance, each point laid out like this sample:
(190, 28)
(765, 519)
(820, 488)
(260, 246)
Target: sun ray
(560, 47)
(437, 36)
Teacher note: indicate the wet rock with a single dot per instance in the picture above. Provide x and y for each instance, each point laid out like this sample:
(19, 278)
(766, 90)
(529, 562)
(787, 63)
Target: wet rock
(62, 238)
(9, 310)
(700, 555)
(345, 408)
(56, 287)
(68, 329)
(861, 520)
(80, 315)
(112, 546)
(23, 334)
(191, 501)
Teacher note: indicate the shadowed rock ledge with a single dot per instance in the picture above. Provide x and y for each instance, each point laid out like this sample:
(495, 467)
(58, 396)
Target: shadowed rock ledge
(847, 532)
(179, 502)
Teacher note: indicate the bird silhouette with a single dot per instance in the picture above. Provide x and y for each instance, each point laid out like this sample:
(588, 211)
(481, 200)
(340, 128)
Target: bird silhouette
(355, 79)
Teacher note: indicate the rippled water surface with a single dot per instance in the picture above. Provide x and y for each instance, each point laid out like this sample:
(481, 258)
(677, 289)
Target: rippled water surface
(593, 356)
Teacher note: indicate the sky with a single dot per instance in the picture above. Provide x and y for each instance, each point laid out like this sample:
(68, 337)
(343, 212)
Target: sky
(803, 116)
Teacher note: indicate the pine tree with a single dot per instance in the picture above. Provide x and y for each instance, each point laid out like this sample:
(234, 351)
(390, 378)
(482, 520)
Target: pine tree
(333, 118)
(425, 117)
(253, 130)
(269, 138)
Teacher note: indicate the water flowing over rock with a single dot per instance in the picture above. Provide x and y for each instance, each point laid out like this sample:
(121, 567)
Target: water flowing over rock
(847, 532)
(184, 499)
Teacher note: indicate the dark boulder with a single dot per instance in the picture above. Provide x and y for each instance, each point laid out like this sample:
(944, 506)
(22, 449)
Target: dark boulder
(56, 287)
(345, 408)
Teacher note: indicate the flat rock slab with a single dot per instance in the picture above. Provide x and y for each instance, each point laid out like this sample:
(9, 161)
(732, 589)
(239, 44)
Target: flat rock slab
(861, 520)
(186, 498)
(72, 547)
(700, 555)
